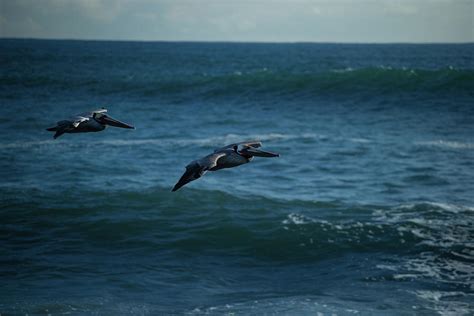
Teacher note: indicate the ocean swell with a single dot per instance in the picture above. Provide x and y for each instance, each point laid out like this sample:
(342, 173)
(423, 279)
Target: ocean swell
(279, 82)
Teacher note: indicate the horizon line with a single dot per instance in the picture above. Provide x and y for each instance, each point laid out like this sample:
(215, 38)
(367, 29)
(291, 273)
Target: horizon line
(232, 41)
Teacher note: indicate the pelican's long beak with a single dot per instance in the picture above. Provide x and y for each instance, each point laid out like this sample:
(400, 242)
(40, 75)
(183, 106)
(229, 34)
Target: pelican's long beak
(259, 153)
(113, 122)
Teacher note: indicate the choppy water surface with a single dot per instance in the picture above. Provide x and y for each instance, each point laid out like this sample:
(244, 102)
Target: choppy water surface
(369, 209)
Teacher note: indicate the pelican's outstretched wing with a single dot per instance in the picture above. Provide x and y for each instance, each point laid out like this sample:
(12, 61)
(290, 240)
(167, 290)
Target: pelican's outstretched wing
(63, 127)
(103, 110)
(78, 120)
(89, 114)
(66, 126)
(246, 144)
(197, 169)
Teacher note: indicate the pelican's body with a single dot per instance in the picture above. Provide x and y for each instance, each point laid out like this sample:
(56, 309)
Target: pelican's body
(226, 157)
(94, 121)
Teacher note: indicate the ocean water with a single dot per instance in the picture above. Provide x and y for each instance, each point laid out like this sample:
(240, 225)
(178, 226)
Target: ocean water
(369, 210)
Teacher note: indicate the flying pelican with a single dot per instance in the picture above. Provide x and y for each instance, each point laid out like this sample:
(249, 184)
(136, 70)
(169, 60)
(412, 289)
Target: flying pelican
(94, 121)
(232, 155)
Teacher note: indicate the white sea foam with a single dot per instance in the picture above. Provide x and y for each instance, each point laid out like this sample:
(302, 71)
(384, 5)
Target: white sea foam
(448, 303)
(348, 69)
(360, 140)
(27, 144)
(404, 210)
(405, 276)
(387, 267)
(297, 219)
(279, 306)
(447, 144)
(452, 208)
(443, 233)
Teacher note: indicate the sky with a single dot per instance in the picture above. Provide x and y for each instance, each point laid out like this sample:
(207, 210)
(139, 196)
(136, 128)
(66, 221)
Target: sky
(355, 21)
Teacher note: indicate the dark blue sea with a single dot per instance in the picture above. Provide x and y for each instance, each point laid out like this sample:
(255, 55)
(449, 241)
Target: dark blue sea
(369, 210)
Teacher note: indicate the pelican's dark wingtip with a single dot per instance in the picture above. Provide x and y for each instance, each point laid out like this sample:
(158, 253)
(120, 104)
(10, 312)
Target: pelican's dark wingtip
(58, 133)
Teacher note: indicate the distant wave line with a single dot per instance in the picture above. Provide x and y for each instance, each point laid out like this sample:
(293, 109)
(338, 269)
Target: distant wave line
(223, 140)
(210, 141)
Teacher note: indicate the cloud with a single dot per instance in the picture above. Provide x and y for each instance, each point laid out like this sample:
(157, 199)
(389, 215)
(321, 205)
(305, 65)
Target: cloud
(102, 10)
(401, 8)
(316, 10)
(245, 20)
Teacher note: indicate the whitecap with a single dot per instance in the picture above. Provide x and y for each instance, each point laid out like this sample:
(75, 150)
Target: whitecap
(447, 144)
(297, 219)
(435, 206)
(348, 69)
(360, 140)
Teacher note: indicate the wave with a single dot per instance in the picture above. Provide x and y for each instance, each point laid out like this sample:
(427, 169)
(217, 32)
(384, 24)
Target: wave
(363, 80)
(425, 241)
(441, 234)
(304, 226)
